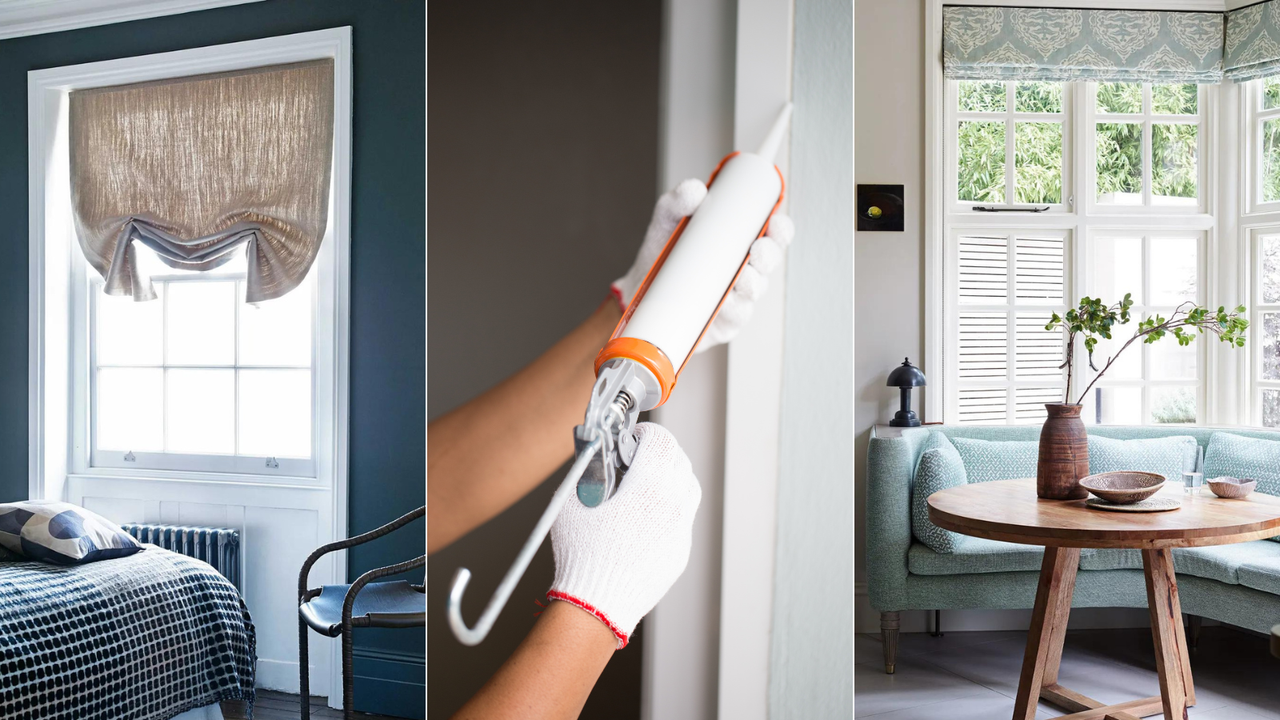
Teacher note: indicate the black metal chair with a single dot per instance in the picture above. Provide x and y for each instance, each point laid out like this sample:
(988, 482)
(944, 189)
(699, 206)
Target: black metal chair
(335, 610)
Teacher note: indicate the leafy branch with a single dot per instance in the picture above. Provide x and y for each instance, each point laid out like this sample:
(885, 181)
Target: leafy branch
(1093, 320)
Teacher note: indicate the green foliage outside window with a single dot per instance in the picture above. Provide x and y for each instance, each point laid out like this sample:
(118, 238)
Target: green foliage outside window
(1038, 145)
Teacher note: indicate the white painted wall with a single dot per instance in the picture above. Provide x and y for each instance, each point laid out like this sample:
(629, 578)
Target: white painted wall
(812, 652)
(889, 266)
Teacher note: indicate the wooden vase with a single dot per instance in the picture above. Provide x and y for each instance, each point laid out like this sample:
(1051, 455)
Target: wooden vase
(1064, 454)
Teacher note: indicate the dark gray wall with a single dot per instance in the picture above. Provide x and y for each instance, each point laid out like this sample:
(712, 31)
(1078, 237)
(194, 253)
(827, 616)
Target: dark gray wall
(387, 364)
(543, 163)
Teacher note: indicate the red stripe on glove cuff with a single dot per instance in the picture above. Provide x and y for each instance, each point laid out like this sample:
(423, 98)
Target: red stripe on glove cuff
(616, 293)
(557, 595)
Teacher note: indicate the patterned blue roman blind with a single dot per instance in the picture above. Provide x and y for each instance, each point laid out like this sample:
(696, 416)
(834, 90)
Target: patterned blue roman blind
(1253, 42)
(1054, 44)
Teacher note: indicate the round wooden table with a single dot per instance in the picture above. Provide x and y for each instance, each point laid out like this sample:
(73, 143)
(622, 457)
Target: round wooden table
(1009, 510)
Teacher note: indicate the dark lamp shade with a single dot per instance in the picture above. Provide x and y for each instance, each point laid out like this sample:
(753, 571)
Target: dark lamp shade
(906, 375)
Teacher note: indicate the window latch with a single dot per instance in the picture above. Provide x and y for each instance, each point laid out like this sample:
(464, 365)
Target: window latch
(989, 209)
(273, 463)
(130, 457)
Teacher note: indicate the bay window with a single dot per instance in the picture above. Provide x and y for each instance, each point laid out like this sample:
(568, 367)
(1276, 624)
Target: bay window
(1020, 245)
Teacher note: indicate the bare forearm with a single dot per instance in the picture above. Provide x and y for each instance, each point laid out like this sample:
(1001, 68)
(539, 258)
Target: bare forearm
(529, 417)
(552, 672)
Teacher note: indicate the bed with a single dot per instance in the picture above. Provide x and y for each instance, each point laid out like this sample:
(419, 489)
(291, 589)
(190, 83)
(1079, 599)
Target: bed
(152, 636)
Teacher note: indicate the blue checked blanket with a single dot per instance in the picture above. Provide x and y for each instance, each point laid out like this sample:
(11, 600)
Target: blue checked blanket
(144, 637)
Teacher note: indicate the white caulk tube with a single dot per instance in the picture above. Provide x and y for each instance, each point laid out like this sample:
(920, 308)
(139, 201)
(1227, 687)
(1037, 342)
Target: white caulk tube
(683, 290)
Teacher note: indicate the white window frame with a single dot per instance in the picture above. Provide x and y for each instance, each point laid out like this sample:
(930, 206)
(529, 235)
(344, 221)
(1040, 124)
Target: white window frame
(942, 216)
(57, 461)
(1011, 117)
(1083, 375)
(1256, 309)
(1148, 119)
(85, 391)
(61, 278)
(1253, 116)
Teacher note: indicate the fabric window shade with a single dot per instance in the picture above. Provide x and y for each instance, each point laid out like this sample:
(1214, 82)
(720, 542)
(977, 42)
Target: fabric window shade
(1253, 42)
(194, 168)
(1061, 45)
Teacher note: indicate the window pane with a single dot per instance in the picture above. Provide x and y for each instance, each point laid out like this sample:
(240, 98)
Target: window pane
(200, 327)
(1113, 406)
(1173, 271)
(1039, 270)
(1037, 162)
(128, 332)
(1270, 162)
(984, 270)
(130, 409)
(1173, 405)
(980, 158)
(1029, 403)
(277, 332)
(1117, 269)
(1171, 361)
(983, 406)
(1119, 163)
(984, 346)
(1119, 98)
(199, 412)
(1174, 99)
(275, 413)
(1037, 352)
(1270, 93)
(1038, 97)
(1270, 346)
(1271, 408)
(1127, 365)
(981, 96)
(1173, 163)
(1269, 257)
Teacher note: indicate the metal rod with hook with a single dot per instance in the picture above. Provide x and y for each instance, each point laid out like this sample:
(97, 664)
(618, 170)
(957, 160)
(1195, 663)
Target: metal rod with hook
(473, 636)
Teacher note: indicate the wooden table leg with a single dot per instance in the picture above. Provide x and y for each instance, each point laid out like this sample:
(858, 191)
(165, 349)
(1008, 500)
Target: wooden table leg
(1172, 660)
(1048, 628)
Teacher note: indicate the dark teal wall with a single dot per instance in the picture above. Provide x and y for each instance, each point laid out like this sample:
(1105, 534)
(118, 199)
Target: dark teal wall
(387, 453)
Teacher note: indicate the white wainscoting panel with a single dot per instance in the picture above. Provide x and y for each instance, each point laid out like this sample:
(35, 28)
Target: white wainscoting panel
(279, 526)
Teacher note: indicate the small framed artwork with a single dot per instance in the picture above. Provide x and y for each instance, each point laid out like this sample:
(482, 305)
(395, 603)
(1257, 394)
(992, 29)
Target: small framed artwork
(880, 208)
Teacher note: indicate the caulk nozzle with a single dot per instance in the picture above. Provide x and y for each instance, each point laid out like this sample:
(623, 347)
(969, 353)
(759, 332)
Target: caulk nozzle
(769, 148)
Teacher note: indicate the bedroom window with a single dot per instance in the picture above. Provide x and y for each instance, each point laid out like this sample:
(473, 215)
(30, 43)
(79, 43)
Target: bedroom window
(199, 379)
(1019, 247)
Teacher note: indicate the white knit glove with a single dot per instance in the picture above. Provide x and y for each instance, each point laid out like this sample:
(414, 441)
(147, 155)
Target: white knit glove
(616, 561)
(766, 252)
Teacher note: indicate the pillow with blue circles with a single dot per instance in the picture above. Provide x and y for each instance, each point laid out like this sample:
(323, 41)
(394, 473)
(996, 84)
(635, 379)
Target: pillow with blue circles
(61, 533)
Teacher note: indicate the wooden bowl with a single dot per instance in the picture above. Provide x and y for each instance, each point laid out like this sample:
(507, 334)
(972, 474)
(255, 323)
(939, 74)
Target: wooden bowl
(1229, 487)
(1124, 486)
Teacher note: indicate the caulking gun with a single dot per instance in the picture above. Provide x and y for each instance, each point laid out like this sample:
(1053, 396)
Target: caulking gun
(658, 333)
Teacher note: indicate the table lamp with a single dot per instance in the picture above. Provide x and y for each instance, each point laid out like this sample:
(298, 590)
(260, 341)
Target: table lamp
(904, 377)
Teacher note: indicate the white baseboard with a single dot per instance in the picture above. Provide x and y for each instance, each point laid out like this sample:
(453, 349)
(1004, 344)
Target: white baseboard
(866, 619)
(282, 676)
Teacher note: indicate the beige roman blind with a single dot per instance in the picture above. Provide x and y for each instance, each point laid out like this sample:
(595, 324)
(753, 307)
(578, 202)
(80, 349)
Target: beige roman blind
(196, 169)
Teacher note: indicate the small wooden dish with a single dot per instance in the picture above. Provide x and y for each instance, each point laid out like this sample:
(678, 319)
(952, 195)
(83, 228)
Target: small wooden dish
(1123, 487)
(1229, 487)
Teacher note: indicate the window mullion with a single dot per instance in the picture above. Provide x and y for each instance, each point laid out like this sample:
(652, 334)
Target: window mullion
(1011, 126)
(1147, 130)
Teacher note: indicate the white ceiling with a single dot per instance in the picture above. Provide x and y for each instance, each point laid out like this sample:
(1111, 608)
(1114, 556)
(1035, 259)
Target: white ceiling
(33, 17)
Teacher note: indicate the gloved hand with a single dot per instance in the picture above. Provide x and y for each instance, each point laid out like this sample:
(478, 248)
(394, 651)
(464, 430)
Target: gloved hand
(766, 252)
(616, 561)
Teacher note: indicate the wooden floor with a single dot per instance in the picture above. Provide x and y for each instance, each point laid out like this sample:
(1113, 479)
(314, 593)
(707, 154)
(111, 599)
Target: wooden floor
(272, 705)
(974, 675)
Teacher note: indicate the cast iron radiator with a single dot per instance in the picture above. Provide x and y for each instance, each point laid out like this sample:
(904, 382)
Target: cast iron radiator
(220, 547)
